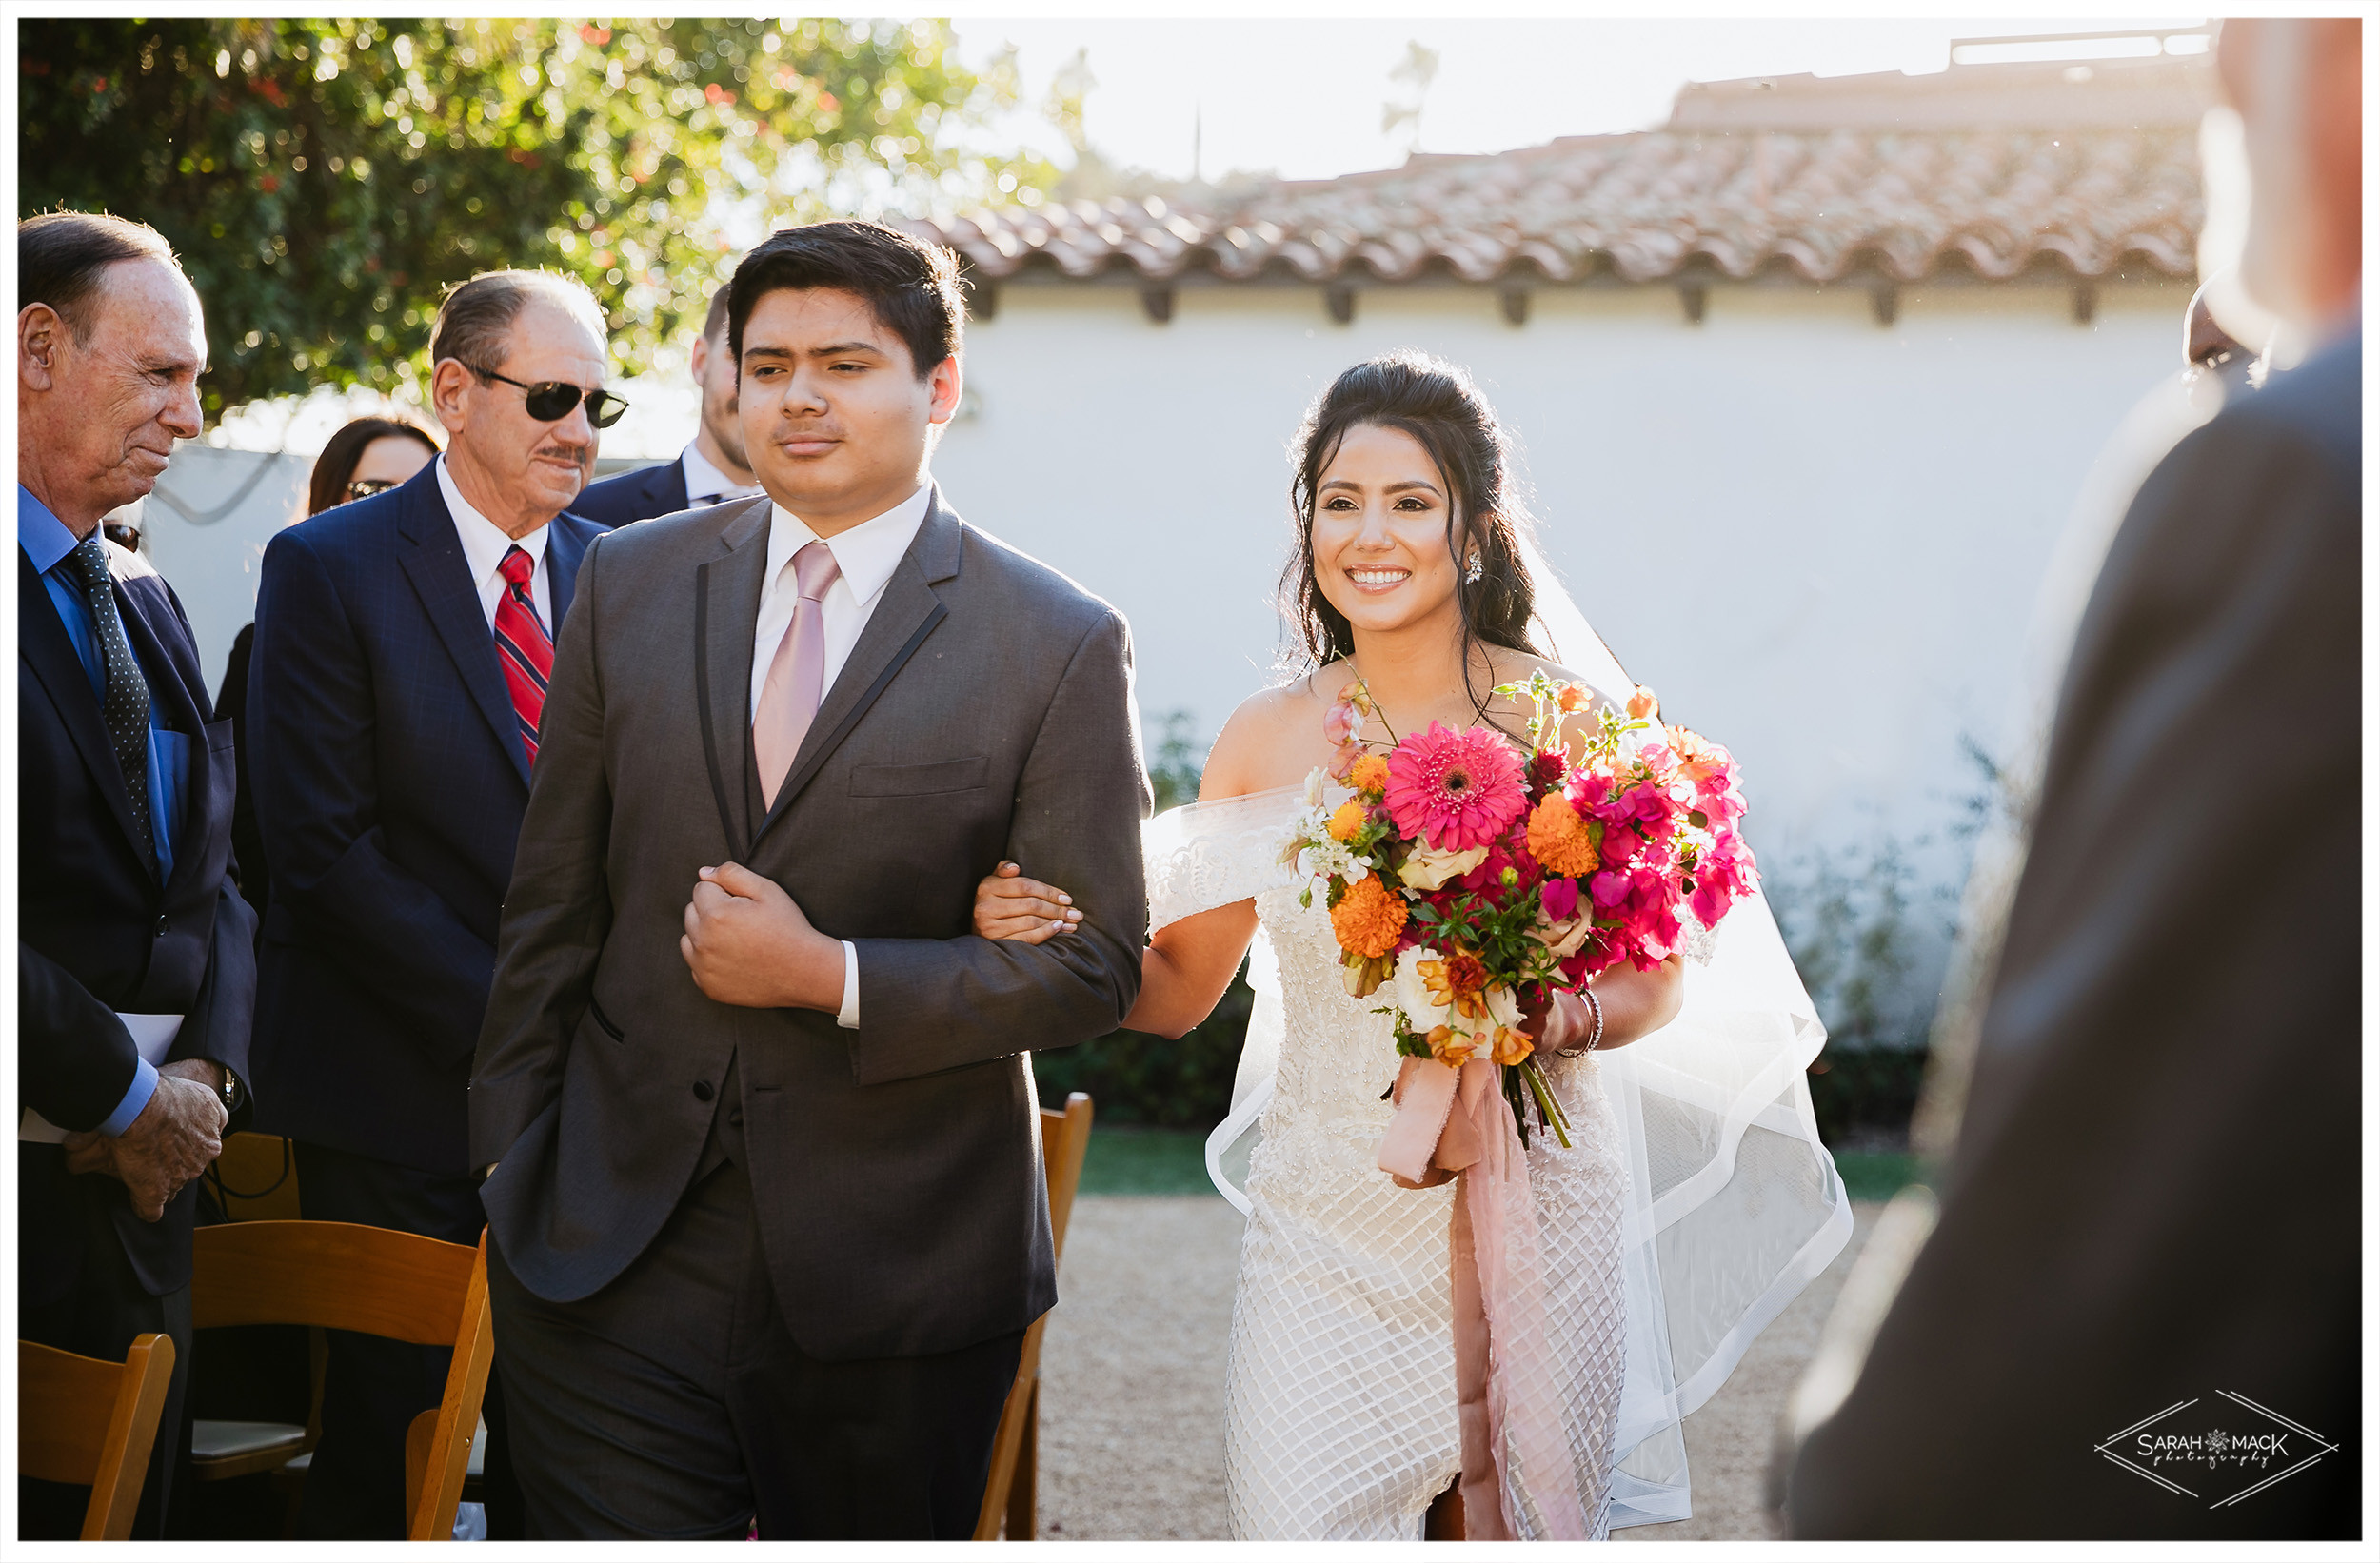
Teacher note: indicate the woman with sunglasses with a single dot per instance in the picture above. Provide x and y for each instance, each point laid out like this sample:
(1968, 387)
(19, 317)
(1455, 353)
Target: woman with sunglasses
(368, 456)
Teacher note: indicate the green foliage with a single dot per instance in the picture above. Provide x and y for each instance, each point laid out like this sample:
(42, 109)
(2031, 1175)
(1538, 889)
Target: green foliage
(1865, 1091)
(1132, 1160)
(1137, 1078)
(1867, 1174)
(1175, 770)
(325, 181)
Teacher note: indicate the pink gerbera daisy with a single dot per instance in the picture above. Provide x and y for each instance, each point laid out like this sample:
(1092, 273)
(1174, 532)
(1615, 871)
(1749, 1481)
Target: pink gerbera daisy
(1455, 791)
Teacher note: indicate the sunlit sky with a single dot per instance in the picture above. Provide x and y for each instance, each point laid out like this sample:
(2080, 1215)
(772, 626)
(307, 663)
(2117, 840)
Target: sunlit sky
(1304, 99)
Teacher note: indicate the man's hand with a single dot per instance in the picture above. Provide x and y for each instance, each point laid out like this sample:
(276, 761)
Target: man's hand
(172, 1140)
(747, 943)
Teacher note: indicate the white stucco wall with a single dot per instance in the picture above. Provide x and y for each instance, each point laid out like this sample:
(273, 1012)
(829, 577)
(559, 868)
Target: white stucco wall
(1817, 538)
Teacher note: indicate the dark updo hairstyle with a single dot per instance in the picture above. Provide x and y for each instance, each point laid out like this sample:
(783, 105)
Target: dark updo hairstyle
(335, 468)
(1437, 404)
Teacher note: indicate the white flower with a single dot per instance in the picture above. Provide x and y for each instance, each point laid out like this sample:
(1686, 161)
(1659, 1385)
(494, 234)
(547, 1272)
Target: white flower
(1503, 1008)
(1426, 868)
(1413, 994)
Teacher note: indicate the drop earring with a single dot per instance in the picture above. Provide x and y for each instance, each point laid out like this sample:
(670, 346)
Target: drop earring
(1471, 568)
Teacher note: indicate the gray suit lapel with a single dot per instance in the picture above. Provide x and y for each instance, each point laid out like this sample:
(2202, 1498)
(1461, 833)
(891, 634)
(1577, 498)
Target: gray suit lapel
(904, 616)
(726, 616)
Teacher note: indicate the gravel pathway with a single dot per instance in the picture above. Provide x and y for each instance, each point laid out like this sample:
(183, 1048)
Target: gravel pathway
(1132, 1374)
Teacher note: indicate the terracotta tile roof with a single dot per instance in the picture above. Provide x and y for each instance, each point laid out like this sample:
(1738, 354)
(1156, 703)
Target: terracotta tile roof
(1900, 201)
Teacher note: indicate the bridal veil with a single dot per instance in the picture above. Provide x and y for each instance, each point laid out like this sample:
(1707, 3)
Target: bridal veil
(1734, 1204)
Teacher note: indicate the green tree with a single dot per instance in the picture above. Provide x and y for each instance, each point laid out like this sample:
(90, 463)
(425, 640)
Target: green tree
(325, 181)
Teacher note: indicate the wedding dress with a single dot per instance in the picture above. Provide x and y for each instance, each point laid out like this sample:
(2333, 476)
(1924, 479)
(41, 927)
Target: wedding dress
(1694, 1201)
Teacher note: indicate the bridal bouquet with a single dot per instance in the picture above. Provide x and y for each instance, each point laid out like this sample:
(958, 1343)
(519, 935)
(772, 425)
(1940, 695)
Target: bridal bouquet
(1470, 883)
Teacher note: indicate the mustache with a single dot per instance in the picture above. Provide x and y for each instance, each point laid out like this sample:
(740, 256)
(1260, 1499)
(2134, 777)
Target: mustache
(579, 453)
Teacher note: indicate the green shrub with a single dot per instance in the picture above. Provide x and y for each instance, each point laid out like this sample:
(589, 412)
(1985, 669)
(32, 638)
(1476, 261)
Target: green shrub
(1135, 1077)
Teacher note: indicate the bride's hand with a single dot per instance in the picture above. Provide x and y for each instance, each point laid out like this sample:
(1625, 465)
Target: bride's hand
(1637, 1003)
(1008, 906)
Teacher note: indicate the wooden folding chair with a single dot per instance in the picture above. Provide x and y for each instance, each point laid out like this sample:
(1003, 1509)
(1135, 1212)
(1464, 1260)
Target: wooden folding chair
(92, 1423)
(1008, 1494)
(255, 1180)
(338, 1275)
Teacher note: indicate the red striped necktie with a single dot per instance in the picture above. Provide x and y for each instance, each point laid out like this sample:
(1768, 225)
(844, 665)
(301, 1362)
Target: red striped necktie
(523, 647)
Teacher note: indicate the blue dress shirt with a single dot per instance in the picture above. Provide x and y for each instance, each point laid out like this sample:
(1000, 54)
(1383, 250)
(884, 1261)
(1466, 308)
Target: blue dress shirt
(47, 542)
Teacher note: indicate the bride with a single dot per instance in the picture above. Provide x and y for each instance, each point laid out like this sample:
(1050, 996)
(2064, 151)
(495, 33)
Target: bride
(1414, 581)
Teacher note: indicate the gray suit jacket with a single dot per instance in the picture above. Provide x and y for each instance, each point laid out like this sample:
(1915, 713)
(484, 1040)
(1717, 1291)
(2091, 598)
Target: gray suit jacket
(2156, 1196)
(985, 712)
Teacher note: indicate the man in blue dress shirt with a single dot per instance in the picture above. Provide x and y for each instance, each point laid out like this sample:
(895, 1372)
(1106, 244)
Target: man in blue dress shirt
(135, 958)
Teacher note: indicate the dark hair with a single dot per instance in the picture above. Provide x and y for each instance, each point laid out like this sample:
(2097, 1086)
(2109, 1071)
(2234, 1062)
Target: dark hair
(1437, 404)
(476, 315)
(715, 318)
(335, 468)
(913, 286)
(60, 255)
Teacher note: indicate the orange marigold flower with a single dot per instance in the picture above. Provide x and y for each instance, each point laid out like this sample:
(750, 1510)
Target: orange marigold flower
(1370, 774)
(1368, 918)
(1510, 1046)
(1562, 840)
(1348, 821)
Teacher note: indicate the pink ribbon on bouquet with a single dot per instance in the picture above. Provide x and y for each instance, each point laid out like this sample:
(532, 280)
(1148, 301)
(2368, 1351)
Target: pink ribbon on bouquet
(1448, 1123)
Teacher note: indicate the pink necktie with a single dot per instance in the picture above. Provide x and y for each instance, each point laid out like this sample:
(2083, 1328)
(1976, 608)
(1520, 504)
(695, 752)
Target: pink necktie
(796, 674)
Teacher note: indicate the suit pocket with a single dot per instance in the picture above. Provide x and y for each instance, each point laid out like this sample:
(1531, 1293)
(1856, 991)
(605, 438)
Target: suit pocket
(603, 1021)
(917, 781)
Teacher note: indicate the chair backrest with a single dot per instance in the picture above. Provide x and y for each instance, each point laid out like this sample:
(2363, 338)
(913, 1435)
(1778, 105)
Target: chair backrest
(88, 1422)
(1008, 1495)
(1065, 1136)
(396, 1285)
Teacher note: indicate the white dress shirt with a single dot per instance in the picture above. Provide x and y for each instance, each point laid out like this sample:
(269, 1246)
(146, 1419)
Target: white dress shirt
(865, 557)
(707, 484)
(485, 546)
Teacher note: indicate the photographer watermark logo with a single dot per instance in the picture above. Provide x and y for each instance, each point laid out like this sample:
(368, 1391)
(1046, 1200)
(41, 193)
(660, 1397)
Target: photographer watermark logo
(2231, 1450)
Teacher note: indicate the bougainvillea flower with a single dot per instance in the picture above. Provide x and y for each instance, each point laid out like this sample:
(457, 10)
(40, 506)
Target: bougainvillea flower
(1455, 791)
(1559, 898)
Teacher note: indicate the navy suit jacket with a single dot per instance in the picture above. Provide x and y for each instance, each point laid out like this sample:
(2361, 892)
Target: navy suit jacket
(98, 932)
(390, 781)
(640, 495)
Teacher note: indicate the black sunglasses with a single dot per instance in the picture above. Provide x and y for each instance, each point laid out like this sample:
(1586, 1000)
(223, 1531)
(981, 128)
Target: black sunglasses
(364, 488)
(551, 401)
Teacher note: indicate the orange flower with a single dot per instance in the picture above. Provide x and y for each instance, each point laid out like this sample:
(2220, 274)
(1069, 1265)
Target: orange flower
(1451, 1047)
(1642, 704)
(1574, 696)
(1562, 840)
(1368, 918)
(1349, 820)
(1510, 1046)
(1459, 983)
(1370, 774)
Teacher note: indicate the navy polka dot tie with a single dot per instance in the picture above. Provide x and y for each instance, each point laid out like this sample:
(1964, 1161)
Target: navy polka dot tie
(124, 702)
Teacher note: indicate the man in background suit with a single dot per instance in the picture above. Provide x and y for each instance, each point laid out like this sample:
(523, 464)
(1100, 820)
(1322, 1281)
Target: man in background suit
(770, 1221)
(403, 644)
(135, 967)
(711, 470)
(2154, 1198)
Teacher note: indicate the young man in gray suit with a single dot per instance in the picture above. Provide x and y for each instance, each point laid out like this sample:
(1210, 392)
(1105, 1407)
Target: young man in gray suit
(767, 1212)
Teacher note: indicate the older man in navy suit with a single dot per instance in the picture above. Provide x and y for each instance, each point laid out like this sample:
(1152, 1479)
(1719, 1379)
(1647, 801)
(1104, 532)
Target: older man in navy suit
(135, 967)
(403, 644)
(711, 470)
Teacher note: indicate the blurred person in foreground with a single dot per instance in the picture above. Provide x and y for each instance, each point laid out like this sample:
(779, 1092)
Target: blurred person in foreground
(403, 644)
(135, 967)
(2150, 1227)
(712, 471)
(368, 456)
